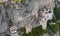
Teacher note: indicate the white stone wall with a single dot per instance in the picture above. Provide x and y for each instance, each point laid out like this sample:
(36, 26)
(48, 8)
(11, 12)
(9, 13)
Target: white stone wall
(49, 16)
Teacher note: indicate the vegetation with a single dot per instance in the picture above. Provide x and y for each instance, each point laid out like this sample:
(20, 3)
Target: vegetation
(1, 2)
(22, 29)
(53, 28)
(37, 31)
(17, 0)
(7, 35)
(29, 34)
(57, 12)
(59, 26)
(54, 19)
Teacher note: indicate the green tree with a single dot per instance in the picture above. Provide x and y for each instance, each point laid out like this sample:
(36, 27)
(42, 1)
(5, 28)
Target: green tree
(37, 31)
(54, 19)
(57, 12)
(53, 28)
(27, 34)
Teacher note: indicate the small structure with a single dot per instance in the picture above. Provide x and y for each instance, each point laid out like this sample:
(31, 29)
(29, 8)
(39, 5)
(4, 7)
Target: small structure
(13, 27)
(43, 22)
(28, 28)
(46, 14)
(49, 15)
(13, 31)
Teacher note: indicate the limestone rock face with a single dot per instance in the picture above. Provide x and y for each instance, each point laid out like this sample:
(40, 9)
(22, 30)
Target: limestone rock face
(33, 11)
(3, 20)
